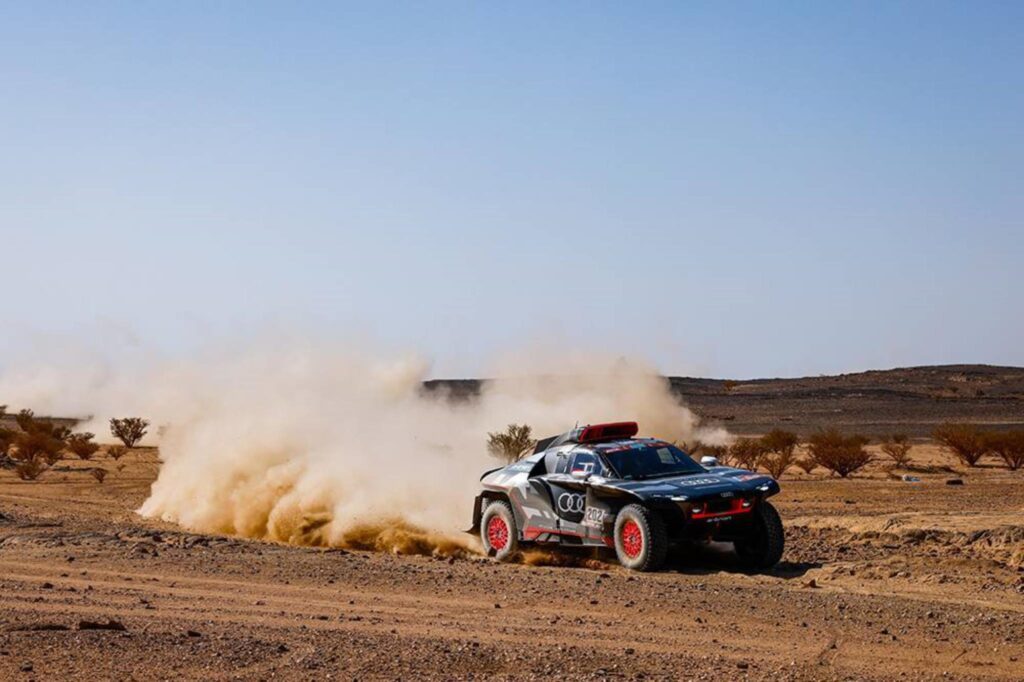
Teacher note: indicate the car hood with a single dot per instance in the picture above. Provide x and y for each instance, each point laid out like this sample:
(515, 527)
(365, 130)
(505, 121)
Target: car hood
(696, 486)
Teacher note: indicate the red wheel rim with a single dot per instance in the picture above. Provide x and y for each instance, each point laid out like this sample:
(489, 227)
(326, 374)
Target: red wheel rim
(497, 533)
(632, 539)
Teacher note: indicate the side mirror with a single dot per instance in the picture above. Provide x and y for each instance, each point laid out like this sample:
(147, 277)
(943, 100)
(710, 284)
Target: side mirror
(709, 461)
(581, 475)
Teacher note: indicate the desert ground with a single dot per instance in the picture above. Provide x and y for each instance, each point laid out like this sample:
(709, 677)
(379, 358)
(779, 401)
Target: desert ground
(882, 579)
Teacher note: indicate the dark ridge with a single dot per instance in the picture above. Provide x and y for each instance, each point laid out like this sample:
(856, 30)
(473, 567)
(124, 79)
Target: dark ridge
(911, 400)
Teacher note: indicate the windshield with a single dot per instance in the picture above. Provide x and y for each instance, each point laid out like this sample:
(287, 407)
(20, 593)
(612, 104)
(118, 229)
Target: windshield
(651, 461)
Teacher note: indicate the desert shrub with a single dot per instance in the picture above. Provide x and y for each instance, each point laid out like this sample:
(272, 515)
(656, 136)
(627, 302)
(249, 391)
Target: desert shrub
(729, 384)
(778, 451)
(776, 464)
(29, 423)
(897, 447)
(36, 445)
(839, 454)
(1009, 445)
(806, 464)
(965, 441)
(129, 430)
(98, 474)
(25, 419)
(31, 469)
(116, 452)
(510, 444)
(747, 452)
(780, 441)
(6, 438)
(81, 445)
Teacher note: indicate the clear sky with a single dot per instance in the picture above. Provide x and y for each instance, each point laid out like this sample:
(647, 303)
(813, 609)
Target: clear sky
(727, 189)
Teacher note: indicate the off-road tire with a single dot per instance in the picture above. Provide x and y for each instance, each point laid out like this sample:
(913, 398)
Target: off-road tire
(635, 521)
(763, 547)
(498, 545)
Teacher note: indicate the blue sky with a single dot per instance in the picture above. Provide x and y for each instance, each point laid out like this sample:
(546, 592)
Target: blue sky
(725, 189)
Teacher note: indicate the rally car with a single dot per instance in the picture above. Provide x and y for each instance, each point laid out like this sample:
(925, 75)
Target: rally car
(600, 486)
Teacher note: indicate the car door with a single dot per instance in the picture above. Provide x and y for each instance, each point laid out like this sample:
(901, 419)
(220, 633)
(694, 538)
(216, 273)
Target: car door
(568, 485)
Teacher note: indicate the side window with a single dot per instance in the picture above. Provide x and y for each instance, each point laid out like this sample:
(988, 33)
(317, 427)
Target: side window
(562, 466)
(586, 463)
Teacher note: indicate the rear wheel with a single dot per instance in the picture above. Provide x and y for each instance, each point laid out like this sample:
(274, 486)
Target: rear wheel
(641, 541)
(498, 531)
(762, 547)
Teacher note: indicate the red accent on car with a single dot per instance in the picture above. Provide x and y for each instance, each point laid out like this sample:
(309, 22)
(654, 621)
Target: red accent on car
(632, 539)
(596, 432)
(497, 533)
(533, 532)
(739, 505)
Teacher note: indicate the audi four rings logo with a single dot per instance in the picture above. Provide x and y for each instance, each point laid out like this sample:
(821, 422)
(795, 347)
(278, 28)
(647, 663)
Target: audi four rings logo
(570, 504)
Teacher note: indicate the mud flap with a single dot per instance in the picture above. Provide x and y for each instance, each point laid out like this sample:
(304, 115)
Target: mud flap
(477, 513)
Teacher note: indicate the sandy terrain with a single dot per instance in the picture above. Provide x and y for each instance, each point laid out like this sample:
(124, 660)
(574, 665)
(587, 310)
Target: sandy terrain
(882, 579)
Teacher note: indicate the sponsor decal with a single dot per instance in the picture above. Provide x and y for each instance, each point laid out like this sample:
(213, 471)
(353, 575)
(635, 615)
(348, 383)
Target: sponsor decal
(594, 517)
(699, 481)
(570, 504)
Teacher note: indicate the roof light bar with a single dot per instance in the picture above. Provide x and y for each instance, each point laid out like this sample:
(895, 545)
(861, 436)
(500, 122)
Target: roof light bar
(596, 432)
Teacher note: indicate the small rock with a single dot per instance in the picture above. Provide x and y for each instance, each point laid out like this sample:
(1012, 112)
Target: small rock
(742, 665)
(26, 667)
(630, 651)
(954, 481)
(47, 586)
(193, 633)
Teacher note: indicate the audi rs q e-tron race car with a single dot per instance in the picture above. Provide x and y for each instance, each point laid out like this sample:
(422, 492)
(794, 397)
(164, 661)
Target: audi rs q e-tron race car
(599, 486)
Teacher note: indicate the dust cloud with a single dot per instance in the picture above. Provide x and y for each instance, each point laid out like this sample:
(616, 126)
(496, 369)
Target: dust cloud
(321, 447)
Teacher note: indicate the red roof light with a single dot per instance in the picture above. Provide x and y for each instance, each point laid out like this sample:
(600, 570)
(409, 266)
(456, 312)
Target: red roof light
(609, 431)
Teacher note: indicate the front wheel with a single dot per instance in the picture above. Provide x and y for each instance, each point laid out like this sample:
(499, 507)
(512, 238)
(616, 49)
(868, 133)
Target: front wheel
(641, 541)
(498, 531)
(762, 547)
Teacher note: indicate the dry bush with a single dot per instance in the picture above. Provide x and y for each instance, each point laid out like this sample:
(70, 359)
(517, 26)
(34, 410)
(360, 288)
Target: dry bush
(1009, 445)
(776, 464)
(839, 454)
(81, 445)
(26, 420)
(6, 439)
(965, 441)
(509, 445)
(729, 384)
(778, 447)
(806, 463)
(129, 430)
(897, 447)
(30, 470)
(746, 453)
(116, 452)
(36, 445)
(98, 474)
(38, 439)
(29, 423)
